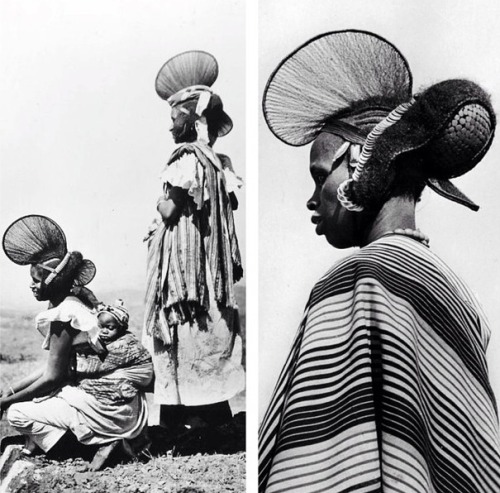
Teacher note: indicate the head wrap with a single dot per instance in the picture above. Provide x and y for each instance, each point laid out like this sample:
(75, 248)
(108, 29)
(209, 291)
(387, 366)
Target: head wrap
(189, 76)
(39, 241)
(117, 311)
(359, 86)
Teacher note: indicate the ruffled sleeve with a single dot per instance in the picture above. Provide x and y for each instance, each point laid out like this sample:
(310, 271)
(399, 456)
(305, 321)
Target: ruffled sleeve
(71, 311)
(232, 180)
(187, 173)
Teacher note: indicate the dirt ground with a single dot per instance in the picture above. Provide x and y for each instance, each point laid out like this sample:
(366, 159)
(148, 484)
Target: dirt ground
(166, 474)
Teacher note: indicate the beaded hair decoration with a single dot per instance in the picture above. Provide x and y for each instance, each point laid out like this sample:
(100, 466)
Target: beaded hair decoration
(344, 189)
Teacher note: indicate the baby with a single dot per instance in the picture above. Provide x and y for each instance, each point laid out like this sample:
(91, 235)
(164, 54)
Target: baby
(119, 367)
(104, 404)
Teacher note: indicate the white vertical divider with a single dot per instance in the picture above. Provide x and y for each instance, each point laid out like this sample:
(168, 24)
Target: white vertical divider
(252, 224)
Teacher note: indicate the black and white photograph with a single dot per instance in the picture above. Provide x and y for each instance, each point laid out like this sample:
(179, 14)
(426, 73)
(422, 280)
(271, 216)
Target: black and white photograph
(123, 204)
(378, 247)
(323, 173)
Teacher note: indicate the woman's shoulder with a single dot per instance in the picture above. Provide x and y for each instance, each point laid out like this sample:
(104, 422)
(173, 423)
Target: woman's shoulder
(184, 150)
(380, 262)
(70, 306)
(71, 311)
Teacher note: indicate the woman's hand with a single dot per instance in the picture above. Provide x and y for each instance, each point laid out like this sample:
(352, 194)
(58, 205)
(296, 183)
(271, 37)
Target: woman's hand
(171, 206)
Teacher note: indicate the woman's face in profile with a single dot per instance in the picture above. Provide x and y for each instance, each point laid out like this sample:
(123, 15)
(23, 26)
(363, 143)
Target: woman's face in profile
(331, 219)
(36, 285)
(182, 126)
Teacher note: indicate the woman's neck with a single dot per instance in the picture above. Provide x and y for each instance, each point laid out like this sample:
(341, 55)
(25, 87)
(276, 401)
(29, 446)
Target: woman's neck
(396, 213)
(57, 300)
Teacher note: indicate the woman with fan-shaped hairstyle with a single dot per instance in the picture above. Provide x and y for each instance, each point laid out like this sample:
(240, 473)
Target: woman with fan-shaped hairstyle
(386, 386)
(49, 403)
(191, 320)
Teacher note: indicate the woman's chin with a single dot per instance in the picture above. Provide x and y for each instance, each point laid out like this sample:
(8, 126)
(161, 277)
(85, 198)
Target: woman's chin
(338, 242)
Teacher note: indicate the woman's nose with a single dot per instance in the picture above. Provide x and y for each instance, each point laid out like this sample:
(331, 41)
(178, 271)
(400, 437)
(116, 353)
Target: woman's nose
(312, 203)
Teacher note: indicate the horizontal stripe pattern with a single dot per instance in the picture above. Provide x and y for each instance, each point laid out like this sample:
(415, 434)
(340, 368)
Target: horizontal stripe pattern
(386, 385)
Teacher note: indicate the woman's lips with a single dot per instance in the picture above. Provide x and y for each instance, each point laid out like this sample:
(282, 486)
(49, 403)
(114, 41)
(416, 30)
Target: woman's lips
(318, 222)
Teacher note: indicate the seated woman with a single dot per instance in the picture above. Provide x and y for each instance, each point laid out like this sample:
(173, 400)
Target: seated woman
(386, 386)
(48, 403)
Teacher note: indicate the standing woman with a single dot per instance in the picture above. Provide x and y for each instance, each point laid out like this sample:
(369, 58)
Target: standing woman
(191, 322)
(386, 386)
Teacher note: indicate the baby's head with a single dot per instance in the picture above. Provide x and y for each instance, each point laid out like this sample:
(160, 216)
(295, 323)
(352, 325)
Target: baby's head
(112, 321)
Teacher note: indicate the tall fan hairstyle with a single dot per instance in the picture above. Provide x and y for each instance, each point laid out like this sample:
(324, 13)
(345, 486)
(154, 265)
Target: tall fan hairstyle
(188, 77)
(39, 241)
(357, 85)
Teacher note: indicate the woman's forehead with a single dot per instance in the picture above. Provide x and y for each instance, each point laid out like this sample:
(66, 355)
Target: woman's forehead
(324, 147)
(36, 272)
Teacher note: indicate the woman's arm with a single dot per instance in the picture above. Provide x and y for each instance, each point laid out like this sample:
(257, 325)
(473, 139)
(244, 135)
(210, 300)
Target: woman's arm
(56, 371)
(24, 382)
(171, 206)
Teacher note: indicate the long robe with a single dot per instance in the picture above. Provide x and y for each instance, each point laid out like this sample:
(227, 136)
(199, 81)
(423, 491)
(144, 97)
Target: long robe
(192, 268)
(386, 386)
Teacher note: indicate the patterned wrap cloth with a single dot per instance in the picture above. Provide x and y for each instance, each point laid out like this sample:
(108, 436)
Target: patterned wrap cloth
(177, 282)
(119, 375)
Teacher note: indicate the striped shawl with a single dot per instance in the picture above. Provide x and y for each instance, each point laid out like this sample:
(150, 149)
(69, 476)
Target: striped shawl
(177, 257)
(386, 386)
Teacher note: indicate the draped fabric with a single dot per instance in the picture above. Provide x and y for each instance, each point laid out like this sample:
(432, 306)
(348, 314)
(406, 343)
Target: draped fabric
(176, 280)
(386, 387)
(117, 376)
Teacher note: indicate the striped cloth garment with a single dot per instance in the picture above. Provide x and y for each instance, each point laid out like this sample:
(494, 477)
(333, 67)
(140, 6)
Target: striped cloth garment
(386, 386)
(176, 277)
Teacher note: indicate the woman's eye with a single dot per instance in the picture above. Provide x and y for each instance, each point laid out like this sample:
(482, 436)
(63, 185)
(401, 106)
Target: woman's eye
(319, 179)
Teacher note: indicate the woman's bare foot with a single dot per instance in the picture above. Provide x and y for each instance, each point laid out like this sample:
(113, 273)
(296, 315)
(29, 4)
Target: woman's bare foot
(30, 447)
(102, 455)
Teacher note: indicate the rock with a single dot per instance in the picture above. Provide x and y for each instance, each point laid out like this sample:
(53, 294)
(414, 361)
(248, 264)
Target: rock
(13, 482)
(9, 456)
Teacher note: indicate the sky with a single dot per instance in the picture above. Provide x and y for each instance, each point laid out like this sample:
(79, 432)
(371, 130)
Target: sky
(441, 40)
(84, 134)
